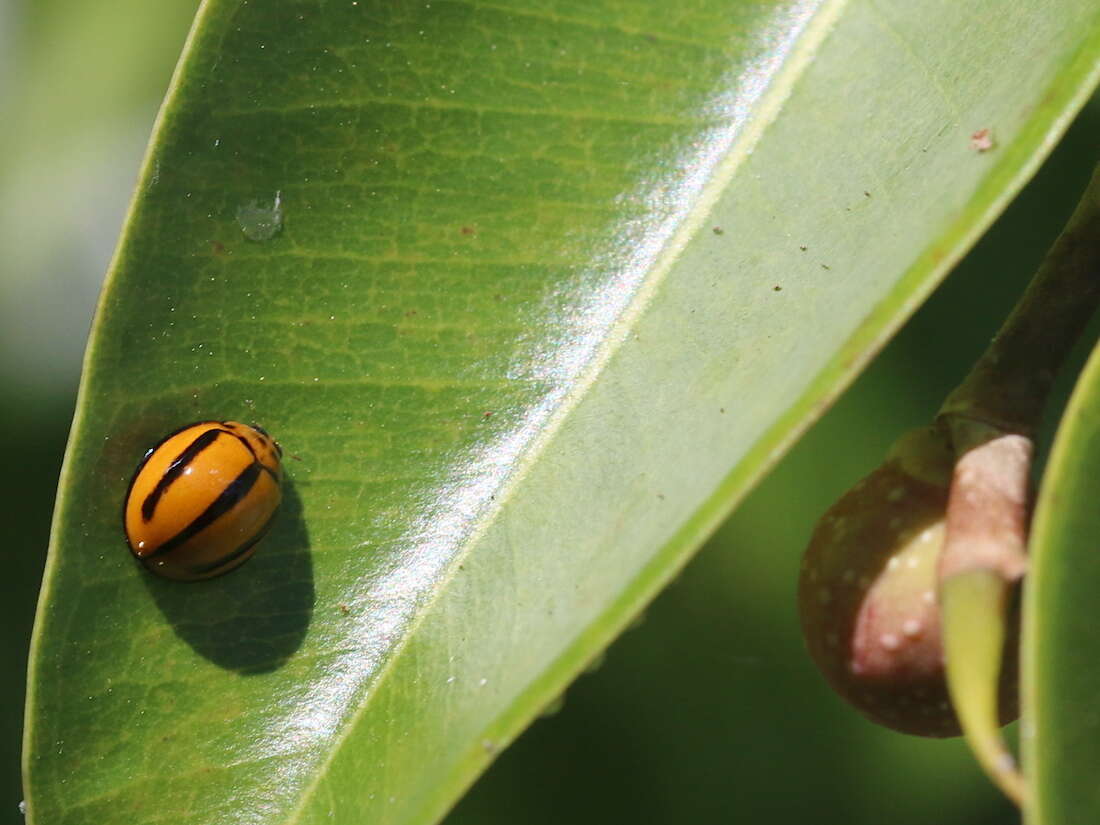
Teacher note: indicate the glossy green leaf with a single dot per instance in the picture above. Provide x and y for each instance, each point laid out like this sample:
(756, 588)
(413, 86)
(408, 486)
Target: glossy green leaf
(550, 284)
(1061, 682)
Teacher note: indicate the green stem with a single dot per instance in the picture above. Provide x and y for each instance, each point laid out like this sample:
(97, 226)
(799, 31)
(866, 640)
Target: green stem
(1009, 384)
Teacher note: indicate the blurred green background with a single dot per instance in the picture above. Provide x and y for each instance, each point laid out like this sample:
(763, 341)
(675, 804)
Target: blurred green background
(707, 711)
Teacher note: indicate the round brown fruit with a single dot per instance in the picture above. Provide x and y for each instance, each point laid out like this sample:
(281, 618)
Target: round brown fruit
(867, 592)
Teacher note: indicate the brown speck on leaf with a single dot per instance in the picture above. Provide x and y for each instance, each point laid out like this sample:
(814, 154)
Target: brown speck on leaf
(824, 266)
(982, 140)
(718, 230)
(410, 313)
(777, 288)
(468, 230)
(487, 414)
(661, 496)
(344, 609)
(217, 247)
(802, 248)
(722, 410)
(866, 194)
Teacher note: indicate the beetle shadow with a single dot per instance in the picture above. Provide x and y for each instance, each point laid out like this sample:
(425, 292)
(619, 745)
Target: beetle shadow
(255, 617)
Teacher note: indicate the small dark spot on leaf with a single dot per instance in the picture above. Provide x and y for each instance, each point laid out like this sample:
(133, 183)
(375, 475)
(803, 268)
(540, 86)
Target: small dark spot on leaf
(468, 230)
(867, 194)
(777, 288)
(487, 414)
(802, 248)
(824, 266)
(718, 230)
(217, 247)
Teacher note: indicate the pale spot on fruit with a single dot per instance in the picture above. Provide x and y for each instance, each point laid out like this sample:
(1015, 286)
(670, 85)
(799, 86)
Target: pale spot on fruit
(893, 563)
(911, 628)
(928, 597)
(895, 524)
(856, 668)
(895, 495)
(913, 563)
(890, 641)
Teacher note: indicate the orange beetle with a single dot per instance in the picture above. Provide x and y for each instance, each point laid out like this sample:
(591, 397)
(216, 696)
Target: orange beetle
(202, 498)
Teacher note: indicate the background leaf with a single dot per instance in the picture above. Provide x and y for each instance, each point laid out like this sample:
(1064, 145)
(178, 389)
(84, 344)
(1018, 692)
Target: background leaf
(514, 549)
(1061, 728)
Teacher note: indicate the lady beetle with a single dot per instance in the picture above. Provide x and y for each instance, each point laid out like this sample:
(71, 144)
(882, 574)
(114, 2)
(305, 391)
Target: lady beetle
(202, 498)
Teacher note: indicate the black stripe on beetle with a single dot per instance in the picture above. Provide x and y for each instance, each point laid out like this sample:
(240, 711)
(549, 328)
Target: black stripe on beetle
(175, 470)
(227, 561)
(236, 490)
(248, 446)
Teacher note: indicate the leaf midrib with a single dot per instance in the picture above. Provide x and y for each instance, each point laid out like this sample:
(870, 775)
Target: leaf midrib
(765, 110)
